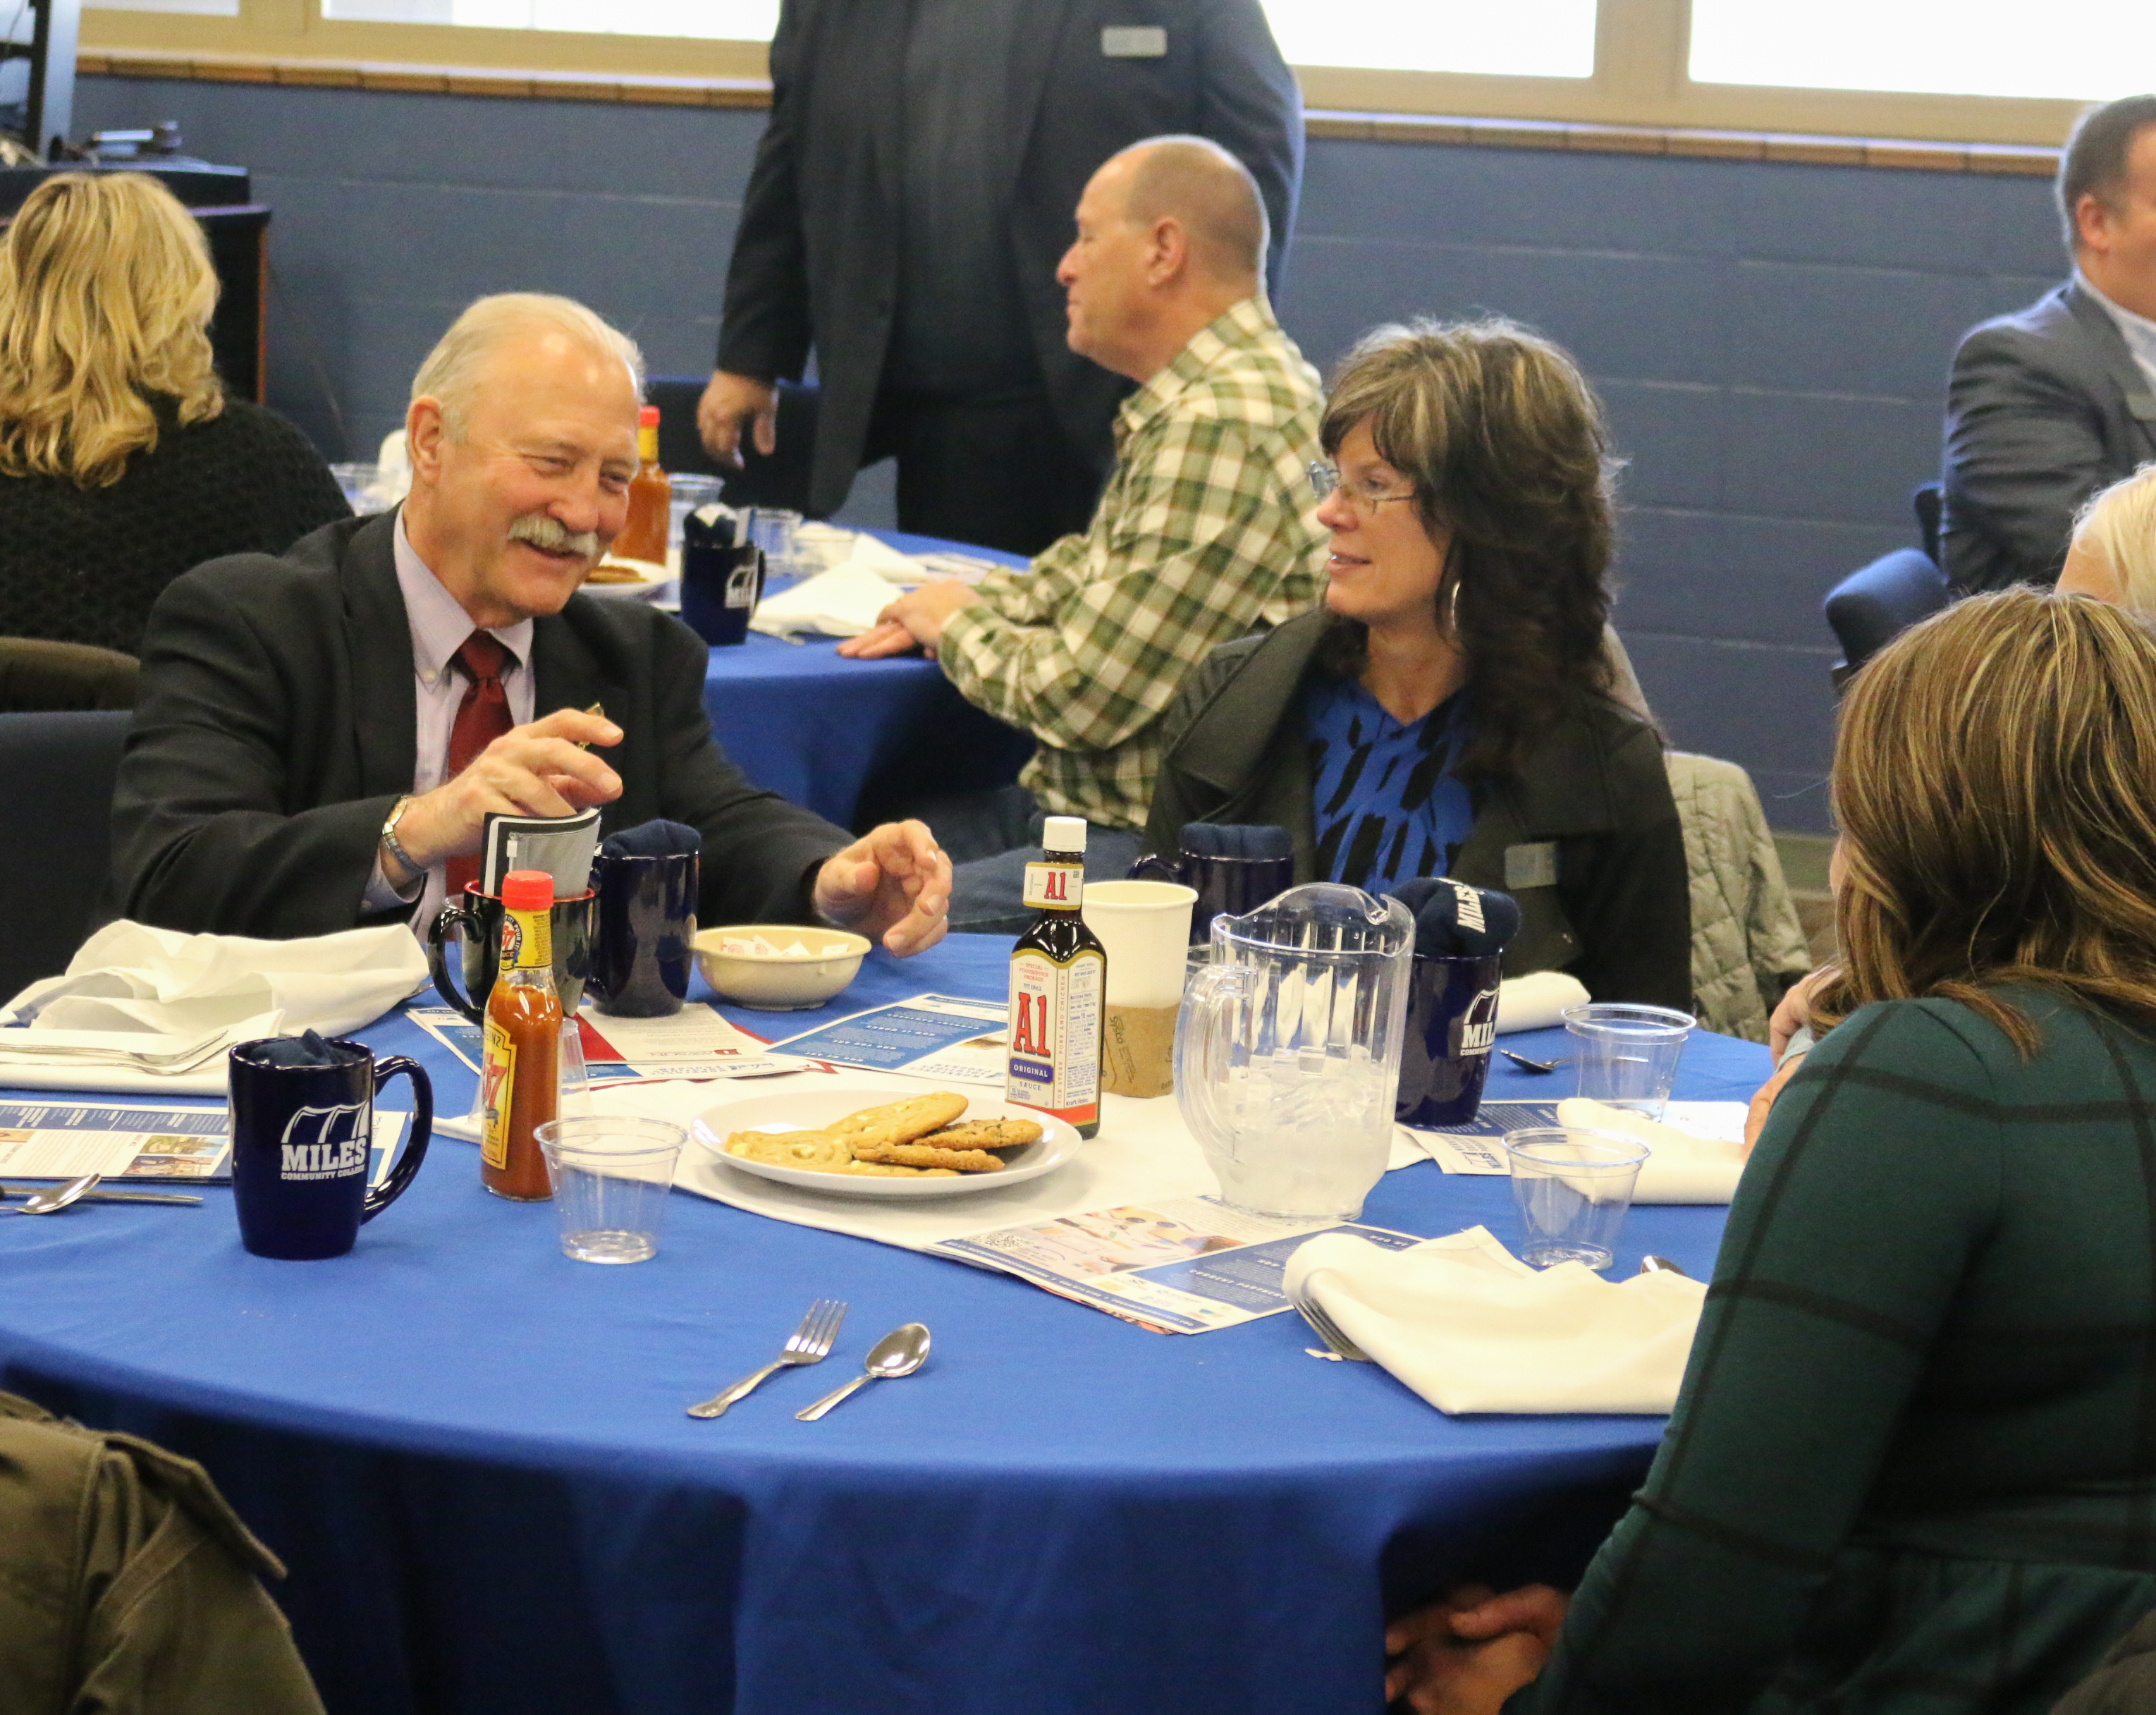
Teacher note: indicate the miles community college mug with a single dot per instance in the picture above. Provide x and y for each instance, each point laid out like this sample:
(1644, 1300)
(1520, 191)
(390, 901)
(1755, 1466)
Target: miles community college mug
(302, 1136)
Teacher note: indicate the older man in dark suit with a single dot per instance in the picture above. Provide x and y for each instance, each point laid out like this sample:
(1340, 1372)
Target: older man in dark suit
(910, 199)
(2051, 403)
(318, 738)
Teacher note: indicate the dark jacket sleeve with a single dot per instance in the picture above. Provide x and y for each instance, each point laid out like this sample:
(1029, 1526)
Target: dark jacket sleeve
(2023, 450)
(760, 852)
(1253, 108)
(765, 332)
(203, 839)
(1628, 891)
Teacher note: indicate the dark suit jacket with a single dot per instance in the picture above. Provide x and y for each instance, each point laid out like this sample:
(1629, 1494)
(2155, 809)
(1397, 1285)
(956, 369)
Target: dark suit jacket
(815, 257)
(2045, 407)
(1620, 916)
(274, 727)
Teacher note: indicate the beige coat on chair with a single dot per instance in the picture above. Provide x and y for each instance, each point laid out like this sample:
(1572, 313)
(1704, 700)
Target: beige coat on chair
(1747, 946)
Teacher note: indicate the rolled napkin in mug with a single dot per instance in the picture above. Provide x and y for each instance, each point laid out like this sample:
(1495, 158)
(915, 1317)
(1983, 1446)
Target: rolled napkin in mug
(658, 837)
(1471, 1328)
(1537, 1001)
(1680, 1167)
(308, 1049)
(1455, 920)
(1235, 839)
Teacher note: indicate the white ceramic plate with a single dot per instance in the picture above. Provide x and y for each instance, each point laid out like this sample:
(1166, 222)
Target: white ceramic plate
(807, 1109)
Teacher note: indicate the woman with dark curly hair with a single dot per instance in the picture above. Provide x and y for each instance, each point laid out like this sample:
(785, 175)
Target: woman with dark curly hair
(1451, 709)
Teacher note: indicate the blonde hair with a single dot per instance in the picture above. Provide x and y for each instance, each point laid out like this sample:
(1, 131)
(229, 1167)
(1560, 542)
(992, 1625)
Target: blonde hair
(106, 295)
(1991, 779)
(452, 371)
(2119, 525)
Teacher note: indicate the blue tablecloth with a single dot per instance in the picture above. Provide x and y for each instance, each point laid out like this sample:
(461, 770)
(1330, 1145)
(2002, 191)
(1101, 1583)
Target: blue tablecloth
(472, 1451)
(820, 730)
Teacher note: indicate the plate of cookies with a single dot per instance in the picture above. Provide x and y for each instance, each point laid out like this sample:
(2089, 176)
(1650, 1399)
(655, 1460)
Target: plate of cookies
(921, 1143)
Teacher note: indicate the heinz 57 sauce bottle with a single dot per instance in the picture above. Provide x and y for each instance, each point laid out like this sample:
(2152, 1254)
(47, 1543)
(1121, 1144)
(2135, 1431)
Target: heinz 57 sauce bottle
(1059, 976)
(521, 1073)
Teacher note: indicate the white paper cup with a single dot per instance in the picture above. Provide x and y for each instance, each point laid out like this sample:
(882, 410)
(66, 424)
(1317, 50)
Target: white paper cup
(1146, 927)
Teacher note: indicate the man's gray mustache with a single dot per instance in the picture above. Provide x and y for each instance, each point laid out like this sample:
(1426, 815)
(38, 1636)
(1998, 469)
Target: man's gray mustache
(547, 533)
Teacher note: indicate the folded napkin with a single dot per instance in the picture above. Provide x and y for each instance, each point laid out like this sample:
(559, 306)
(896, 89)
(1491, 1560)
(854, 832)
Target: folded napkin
(871, 553)
(144, 1009)
(1536, 1002)
(843, 602)
(657, 838)
(1680, 1168)
(1471, 1328)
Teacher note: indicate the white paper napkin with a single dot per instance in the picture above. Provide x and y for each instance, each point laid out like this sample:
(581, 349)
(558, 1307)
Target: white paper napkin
(1471, 1328)
(142, 1009)
(1680, 1168)
(1537, 1001)
(843, 602)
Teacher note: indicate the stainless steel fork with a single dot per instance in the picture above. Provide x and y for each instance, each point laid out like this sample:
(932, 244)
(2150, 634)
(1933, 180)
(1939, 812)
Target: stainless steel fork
(809, 1343)
(1339, 1345)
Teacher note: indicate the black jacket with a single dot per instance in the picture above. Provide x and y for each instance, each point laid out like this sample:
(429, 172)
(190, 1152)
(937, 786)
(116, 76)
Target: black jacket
(2045, 407)
(1618, 916)
(815, 258)
(274, 727)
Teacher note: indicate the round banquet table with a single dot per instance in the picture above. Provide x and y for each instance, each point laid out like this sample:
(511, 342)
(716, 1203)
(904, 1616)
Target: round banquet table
(803, 721)
(472, 1452)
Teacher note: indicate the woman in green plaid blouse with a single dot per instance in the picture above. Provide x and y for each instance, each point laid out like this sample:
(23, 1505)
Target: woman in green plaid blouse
(1913, 1465)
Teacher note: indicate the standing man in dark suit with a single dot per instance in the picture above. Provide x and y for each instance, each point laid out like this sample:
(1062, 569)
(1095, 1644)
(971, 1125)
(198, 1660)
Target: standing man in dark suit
(2051, 403)
(318, 738)
(910, 201)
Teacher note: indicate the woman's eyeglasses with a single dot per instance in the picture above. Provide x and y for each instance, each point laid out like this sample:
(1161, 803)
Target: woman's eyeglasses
(1365, 494)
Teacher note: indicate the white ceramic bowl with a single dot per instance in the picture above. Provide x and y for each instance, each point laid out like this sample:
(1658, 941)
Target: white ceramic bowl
(781, 981)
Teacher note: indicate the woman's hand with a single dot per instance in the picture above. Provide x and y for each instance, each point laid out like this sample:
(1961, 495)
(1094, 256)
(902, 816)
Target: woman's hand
(1467, 1652)
(1794, 1014)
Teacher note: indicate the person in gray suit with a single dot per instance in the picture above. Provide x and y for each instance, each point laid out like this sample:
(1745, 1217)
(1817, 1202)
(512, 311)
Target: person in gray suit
(2048, 405)
(909, 204)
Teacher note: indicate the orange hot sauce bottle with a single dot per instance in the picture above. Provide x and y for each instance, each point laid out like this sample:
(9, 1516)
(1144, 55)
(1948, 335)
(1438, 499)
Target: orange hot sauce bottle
(520, 1073)
(643, 536)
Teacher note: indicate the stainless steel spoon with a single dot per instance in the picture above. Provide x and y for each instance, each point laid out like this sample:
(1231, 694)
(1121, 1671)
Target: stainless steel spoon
(1525, 1065)
(898, 1352)
(54, 1201)
(101, 1195)
(1662, 1265)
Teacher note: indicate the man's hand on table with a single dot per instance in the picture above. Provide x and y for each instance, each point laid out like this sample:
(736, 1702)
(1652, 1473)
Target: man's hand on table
(892, 885)
(728, 401)
(535, 770)
(1467, 1652)
(915, 620)
(1792, 1014)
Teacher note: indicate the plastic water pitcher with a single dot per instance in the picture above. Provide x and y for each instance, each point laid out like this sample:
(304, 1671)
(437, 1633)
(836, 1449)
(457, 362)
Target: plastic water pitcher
(1287, 1052)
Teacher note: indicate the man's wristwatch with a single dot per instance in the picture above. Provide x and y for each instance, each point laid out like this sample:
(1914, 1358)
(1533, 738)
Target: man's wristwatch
(390, 843)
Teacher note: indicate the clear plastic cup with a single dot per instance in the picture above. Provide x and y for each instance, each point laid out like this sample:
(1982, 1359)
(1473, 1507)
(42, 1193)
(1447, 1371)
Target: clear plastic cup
(610, 1177)
(771, 528)
(1572, 1187)
(688, 490)
(1628, 1054)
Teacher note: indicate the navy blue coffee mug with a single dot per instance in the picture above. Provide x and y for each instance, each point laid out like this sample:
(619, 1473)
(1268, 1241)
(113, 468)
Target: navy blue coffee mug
(646, 944)
(301, 1139)
(1452, 1026)
(1231, 886)
(720, 589)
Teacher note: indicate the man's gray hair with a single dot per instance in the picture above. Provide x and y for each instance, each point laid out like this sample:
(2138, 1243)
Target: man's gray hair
(1195, 181)
(453, 368)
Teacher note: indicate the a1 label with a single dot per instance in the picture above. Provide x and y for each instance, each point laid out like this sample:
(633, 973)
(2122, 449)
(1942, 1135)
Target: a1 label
(1055, 1062)
(1060, 887)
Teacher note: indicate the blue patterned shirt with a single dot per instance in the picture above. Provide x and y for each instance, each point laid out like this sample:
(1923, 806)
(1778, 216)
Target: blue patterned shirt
(1385, 803)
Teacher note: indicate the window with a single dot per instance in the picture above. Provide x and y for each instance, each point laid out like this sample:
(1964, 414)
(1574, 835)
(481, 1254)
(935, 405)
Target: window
(1519, 39)
(2072, 50)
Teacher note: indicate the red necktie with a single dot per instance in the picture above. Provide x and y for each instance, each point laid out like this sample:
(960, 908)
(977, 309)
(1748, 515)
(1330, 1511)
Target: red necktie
(482, 717)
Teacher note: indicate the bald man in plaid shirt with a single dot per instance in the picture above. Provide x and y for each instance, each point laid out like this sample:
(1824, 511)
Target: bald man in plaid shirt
(1202, 534)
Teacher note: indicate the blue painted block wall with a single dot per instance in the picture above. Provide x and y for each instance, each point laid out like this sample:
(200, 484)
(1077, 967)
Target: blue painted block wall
(1772, 339)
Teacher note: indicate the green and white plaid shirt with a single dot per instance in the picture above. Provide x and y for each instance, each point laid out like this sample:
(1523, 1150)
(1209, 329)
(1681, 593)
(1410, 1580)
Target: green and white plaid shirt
(1206, 529)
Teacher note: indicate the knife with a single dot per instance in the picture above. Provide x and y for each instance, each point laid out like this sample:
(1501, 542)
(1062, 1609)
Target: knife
(108, 1196)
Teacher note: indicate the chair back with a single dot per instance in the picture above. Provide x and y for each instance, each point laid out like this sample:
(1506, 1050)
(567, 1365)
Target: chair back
(1869, 609)
(57, 771)
(37, 675)
(780, 480)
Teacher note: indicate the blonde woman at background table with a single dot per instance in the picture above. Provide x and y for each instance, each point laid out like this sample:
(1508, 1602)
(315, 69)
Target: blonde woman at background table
(1913, 1465)
(123, 462)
